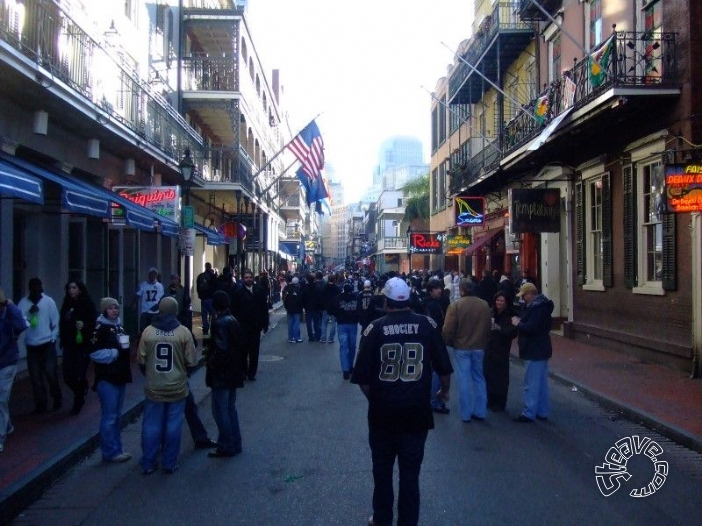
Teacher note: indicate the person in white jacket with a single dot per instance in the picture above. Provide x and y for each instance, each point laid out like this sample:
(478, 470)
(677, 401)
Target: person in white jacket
(43, 316)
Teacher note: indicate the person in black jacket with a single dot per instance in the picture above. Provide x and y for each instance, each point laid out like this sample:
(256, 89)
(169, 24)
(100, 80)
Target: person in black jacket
(331, 290)
(111, 356)
(535, 348)
(205, 285)
(309, 304)
(366, 297)
(346, 308)
(292, 301)
(76, 326)
(436, 311)
(224, 374)
(250, 308)
(486, 288)
(496, 364)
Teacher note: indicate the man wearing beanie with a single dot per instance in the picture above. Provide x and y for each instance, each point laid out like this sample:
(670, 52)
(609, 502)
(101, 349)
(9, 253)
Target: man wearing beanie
(166, 351)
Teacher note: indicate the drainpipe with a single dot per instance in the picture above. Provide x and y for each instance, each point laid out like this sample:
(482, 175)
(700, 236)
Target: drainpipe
(696, 249)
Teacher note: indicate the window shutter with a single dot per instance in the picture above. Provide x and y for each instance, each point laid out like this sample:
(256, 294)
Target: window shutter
(607, 280)
(669, 277)
(629, 195)
(579, 234)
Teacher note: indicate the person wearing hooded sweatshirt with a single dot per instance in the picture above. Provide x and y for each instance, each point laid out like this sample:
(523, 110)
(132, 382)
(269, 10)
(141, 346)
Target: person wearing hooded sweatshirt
(12, 324)
(111, 356)
(166, 351)
(40, 338)
(535, 349)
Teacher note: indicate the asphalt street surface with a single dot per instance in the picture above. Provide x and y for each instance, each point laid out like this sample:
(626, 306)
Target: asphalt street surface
(306, 461)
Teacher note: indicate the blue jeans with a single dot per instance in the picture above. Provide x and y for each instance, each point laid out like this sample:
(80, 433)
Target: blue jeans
(313, 319)
(207, 315)
(160, 431)
(41, 362)
(111, 401)
(347, 345)
(294, 326)
(7, 376)
(409, 449)
(469, 370)
(436, 403)
(227, 420)
(536, 389)
(328, 321)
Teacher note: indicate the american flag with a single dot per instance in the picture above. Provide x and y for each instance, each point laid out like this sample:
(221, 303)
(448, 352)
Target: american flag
(308, 148)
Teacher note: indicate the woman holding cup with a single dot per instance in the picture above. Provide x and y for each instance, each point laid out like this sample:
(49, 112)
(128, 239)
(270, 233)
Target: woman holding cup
(111, 355)
(76, 324)
(496, 363)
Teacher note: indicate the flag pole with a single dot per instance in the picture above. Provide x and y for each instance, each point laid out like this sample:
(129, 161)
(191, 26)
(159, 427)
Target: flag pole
(278, 179)
(260, 171)
(462, 121)
(513, 101)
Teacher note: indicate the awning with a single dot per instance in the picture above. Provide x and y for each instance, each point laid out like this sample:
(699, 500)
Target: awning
(83, 197)
(482, 241)
(76, 196)
(213, 237)
(16, 183)
(289, 247)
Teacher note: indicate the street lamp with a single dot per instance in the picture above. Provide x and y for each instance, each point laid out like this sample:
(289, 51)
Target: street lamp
(187, 168)
(409, 247)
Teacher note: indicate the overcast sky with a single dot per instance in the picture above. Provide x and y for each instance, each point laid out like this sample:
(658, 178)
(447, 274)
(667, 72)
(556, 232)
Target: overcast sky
(362, 65)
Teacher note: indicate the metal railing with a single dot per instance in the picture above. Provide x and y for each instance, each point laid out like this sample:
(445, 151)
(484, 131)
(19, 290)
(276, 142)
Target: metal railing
(207, 74)
(391, 243)
(45, 33)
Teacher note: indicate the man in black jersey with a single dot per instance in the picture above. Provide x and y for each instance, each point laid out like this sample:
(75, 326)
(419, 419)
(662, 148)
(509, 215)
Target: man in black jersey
(394, 370)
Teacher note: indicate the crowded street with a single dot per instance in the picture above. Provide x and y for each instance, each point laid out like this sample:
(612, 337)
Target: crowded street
(306, 461)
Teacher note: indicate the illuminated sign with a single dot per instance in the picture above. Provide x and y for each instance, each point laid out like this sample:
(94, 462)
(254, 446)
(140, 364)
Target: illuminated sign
(425, 243)
(455, 245)
(164, 200)
(534, 210)
(232, 230)
(683, 189)
(469, 211)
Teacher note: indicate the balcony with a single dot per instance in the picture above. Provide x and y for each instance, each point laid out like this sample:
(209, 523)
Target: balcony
(101, 80)
(392, 245)
(499, 41)
(641, 65)
(529, 12)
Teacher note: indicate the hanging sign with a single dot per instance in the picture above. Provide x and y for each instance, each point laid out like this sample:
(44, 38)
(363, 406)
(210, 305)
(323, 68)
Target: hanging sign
(455, 245)
(164, 200)
(232, 230)
(425, 243)
(469, 211)
(534, 210)
(683, 189)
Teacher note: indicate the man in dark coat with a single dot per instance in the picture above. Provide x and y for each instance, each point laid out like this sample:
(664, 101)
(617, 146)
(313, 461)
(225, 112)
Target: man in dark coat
(535, 349)
(250, 308)
(486, 288)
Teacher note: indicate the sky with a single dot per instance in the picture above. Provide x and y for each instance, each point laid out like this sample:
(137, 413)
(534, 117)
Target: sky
(361, 65)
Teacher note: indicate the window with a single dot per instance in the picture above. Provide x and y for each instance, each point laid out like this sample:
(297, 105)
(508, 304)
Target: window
(434, 190)
(593, 217)
(595, 23)
(653, 25)
(651, 233)
(555, 56)
(594, 227)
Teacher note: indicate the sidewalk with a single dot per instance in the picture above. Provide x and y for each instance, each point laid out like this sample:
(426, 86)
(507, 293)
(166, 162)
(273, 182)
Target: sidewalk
(44, 447)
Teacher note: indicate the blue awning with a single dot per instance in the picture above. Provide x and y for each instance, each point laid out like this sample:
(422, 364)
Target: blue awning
(213, 237)
(83, 197)
(76, 195)
(16, 183)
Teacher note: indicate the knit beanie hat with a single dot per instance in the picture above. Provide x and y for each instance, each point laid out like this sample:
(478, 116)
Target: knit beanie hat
(168, 305)
(105, 303)
(220, 300)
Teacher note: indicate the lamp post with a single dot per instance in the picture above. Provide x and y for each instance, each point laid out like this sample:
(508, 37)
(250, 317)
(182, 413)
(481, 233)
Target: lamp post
(187, 168)
(409, 247)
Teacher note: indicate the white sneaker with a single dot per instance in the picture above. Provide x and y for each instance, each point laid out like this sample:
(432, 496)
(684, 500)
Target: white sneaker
(2, 448)
(122, 457)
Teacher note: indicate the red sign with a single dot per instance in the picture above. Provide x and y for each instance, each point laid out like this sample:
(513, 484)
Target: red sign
(424, 243)
(683, 189)
(232, 230)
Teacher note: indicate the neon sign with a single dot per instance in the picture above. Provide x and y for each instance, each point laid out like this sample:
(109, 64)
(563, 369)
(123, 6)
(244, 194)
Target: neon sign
(164, 200)
(425, 243)
(470, 211)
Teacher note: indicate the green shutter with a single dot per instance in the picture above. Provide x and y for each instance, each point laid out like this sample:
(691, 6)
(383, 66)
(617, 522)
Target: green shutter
(579, 234)
(607, 280)
(669, 276)
(629, 222)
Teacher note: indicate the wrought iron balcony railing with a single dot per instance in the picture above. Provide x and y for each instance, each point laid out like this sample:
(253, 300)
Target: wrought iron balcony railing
(207, 74)
(45, 33)
(392, 243)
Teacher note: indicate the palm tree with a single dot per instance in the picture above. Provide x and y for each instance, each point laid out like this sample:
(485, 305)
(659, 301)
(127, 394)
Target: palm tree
(416, 194)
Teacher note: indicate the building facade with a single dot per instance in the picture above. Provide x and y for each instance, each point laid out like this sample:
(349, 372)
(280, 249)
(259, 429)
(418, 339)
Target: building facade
(587, 144)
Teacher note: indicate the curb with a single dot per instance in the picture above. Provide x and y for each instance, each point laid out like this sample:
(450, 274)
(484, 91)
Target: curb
(674, 433)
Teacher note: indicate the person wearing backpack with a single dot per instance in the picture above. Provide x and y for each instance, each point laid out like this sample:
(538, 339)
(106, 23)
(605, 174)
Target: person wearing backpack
(205, 285)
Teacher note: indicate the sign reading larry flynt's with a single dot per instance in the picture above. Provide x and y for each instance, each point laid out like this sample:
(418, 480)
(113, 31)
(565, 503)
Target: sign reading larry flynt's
(683, 188)
(533, 210)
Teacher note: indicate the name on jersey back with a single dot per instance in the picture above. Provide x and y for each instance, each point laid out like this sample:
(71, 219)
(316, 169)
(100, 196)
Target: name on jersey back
(401, 328)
